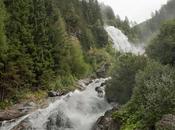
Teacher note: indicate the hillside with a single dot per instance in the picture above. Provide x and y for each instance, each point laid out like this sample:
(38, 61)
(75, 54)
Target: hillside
(149, 28)
(48, 45)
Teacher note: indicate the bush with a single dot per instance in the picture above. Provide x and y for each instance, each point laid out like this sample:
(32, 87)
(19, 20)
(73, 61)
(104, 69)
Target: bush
(119, 89)
(78, 66)
(162, 48)
(63, 83)
(98, 57)
(153, 96)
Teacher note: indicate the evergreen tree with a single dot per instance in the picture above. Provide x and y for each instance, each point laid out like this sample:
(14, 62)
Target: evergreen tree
(18, 33)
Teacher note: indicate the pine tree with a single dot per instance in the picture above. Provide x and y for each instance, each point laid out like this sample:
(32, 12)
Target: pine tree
(3, 46)
(3, 49)
(20, 40)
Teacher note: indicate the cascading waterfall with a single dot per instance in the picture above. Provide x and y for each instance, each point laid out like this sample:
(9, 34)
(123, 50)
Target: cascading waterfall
(121, 42)
(78, 110)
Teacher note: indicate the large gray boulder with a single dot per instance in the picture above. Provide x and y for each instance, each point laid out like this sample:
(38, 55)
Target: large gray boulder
(106, 122)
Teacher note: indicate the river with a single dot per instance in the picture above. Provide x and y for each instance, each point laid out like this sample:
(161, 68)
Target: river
(77, 110)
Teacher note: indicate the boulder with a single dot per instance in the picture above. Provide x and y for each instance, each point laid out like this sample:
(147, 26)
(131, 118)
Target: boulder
(103, 84)
(102, 71)
(100, 91)
(166, 123)
(106, 122)
(54, 94)
(10, 114)
(24, 125)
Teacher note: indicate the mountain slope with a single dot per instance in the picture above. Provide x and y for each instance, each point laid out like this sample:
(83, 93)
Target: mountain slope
(150, 28)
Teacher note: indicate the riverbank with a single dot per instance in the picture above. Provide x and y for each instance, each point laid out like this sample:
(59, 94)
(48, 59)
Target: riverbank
(75, 110)
(37, 100)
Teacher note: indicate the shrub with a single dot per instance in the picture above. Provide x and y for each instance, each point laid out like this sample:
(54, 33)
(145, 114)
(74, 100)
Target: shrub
(119, 89)
(153, 96)
(162, 48)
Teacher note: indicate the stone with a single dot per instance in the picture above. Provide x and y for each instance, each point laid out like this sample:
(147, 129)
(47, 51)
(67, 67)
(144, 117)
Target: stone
(100, 91)
(102, 71)
(55, 94)
(10, 114)
(166, 123)
(106, 122)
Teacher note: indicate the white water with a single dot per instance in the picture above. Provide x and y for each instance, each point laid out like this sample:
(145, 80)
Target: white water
(78, 110)
(121, 42)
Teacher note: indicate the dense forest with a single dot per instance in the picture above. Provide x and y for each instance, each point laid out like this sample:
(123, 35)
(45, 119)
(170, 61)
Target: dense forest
(150, 28)
(48, 45)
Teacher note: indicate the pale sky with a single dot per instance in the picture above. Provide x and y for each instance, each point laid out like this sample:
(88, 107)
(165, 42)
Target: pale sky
(135, 10)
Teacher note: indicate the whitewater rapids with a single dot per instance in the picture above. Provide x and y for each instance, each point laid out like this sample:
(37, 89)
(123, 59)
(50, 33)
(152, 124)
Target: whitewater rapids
(78, 110)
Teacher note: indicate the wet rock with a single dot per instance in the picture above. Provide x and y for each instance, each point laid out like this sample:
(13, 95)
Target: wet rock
(102, 71)
(103, 84)
(166, 123)
(100, 91)
(24, 125)
(82, 84)
(10, 114)
(30, 104)
(106, 122)
(54, 94)
(28, 107)
(57, 121)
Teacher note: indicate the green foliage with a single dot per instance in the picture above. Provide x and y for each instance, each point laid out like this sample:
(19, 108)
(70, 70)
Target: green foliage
(43, 44)
(62, 83)
(99, 57)
(162, 47)
(153, 96)
(119, 89)
(77, 63)
(3, 46)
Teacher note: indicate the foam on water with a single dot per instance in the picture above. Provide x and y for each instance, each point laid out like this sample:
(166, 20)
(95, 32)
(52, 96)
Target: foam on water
(121, 42)
(78, 110)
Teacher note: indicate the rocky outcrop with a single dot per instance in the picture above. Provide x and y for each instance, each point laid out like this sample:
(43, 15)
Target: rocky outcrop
(106, 122)
(17, 111)
(81, 84)
(100, 91)
(166, 123)
(102, 71)
(55, 94)
(10, 114)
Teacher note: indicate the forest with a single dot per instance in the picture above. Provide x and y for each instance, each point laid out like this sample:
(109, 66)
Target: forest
(48, 45)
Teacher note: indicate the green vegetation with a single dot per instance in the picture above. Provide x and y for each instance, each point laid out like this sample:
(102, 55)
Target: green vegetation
(153, 96)
(44, 45)
(123, 77)
(162, 48)
(152, 82)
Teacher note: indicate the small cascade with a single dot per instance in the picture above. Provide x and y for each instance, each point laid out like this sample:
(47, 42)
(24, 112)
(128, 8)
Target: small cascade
(77, 110)
(121, 42)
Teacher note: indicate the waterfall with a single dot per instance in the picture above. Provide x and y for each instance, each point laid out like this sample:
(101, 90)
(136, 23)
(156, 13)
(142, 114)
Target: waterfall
(121, 42)
(77, 110)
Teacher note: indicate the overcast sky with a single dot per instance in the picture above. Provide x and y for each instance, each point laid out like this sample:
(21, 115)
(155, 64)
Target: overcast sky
(135, 10)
